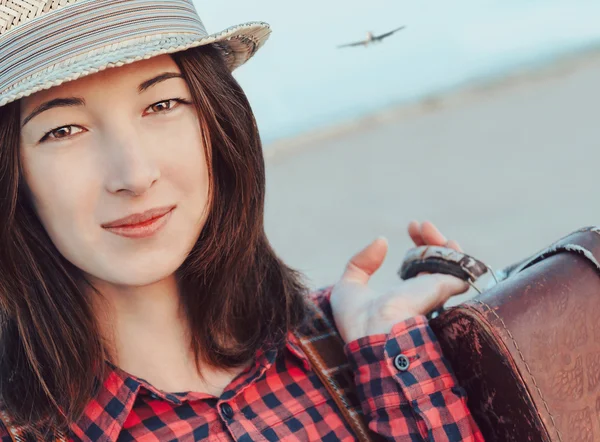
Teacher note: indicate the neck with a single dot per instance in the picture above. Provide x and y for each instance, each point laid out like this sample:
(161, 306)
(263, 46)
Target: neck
(148, 336)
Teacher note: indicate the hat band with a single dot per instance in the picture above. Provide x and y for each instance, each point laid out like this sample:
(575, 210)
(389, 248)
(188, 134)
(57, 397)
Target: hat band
(87, 25)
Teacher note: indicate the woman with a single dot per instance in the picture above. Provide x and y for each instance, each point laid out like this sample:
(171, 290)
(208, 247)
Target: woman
(140, 297)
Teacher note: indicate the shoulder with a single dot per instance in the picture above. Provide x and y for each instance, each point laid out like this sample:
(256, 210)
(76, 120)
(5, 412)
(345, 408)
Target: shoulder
(4, 433)
(320, 299)
(10, 432)
(319, 320)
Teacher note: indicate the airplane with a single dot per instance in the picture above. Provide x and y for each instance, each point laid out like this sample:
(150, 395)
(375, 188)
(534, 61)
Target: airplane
(371, 38)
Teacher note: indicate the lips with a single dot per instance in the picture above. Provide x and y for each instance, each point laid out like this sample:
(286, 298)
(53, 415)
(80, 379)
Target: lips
(139, 218)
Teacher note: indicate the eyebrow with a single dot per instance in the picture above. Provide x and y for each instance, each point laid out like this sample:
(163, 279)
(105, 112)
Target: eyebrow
(57, 102)
(76, 101)
(162, 77)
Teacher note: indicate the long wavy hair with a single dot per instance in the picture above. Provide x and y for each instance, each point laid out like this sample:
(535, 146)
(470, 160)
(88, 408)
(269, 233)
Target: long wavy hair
(238, 296)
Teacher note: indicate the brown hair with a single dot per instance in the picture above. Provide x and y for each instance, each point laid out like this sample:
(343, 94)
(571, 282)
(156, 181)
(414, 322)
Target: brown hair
(236, 293)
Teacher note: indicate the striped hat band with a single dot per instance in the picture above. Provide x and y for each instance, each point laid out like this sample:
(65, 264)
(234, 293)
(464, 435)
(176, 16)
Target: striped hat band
(44, 43)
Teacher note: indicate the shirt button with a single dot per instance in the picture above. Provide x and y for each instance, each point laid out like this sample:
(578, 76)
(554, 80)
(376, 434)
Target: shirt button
(401, 362)
(227, 411)
(154, 396)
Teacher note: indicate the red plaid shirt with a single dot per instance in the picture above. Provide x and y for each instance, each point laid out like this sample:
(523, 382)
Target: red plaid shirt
(281, 398)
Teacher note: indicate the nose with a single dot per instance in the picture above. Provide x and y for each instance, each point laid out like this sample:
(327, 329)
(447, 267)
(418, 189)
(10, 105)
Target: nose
(132, 166)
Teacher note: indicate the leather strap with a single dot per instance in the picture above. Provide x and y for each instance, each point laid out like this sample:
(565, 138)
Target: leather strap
(324, 348)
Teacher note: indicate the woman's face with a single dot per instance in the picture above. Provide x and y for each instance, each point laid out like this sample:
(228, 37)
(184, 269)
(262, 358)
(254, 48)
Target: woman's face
(110, 145)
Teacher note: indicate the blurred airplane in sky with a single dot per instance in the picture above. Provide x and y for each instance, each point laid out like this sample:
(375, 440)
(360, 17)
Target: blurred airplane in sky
(371, 38)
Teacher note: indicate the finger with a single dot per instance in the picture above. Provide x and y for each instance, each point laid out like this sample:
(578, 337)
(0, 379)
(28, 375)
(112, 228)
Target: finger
(445, 287)
(366, 262)
(414, 231)
(454, 245)
(431, 235)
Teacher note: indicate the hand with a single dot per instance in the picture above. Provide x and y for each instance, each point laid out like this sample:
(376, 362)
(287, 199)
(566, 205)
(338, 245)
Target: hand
(360, 311)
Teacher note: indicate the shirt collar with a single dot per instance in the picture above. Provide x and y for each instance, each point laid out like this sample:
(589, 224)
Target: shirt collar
(106, 413)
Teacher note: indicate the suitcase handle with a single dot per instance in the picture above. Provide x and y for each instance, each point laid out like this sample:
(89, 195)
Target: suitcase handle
(434, 259)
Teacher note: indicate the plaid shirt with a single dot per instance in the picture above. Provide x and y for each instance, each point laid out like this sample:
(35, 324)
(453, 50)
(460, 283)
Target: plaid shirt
(281, 398)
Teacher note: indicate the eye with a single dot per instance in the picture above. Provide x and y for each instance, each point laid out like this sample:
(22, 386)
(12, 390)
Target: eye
(161, 107)
(61, 132)
(167, 105)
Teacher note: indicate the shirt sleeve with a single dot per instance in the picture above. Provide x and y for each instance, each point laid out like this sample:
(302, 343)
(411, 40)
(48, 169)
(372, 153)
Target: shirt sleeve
(406, 387)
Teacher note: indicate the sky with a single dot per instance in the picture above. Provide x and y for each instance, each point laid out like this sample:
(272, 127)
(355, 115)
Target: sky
(300, 81)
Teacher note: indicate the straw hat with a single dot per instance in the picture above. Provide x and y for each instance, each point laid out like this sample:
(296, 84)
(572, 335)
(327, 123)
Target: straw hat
(44, 43)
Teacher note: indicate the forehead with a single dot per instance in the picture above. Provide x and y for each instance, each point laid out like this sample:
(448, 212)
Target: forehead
(129, 75)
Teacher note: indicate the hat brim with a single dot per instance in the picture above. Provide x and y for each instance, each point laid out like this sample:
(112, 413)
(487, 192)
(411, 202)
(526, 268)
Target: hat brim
(238, 43)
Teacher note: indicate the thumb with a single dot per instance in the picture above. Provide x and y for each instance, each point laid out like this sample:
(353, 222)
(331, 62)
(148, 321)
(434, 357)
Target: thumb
(366, 262)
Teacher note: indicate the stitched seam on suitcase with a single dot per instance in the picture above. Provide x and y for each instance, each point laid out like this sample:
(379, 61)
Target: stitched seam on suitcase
(525, 363)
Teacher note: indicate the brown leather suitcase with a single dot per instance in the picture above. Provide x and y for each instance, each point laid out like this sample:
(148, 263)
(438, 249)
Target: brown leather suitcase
(527, 350)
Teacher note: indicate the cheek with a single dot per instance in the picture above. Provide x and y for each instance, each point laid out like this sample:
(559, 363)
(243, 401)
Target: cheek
(63, 189)
(185, 164)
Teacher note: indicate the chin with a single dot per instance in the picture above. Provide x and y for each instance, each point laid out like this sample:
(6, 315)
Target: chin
(137, 273)
(140, 278)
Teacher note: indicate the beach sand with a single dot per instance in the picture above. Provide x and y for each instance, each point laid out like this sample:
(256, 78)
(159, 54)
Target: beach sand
(505, 169)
